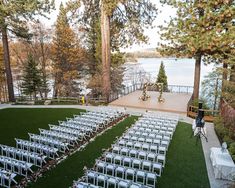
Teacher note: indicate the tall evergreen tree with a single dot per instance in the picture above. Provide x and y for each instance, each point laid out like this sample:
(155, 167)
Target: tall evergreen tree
(131, 17)
(211, 89)
(32, 78)
(162, 77)
(40, 47)
(68, 57)
(122, 23)
(198, 31)
(14, 15)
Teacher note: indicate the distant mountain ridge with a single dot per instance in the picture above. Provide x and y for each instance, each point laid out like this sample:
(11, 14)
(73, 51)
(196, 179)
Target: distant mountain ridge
(145, 53)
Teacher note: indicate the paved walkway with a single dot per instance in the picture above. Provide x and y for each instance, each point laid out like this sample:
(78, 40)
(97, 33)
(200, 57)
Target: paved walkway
(213, 141)
(212, 137)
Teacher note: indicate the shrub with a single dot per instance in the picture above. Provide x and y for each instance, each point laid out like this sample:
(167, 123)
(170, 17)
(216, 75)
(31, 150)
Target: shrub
(220, 129)
(232, 150)
(225, 135)
(195, 102)
(228, 140)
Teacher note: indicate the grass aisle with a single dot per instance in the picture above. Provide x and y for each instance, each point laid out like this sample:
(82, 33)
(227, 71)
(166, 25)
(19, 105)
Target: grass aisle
(63, 175)
(185, 166)
(17, 123)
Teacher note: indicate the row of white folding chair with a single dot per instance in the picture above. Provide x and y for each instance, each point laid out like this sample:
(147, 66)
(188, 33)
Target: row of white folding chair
(156, 124)
(158, 135)
(93, 114)
(159, 123)
(148, 128)
(16, 166)
(50, 152)
(94, 126)
(136, 154)
(120, 170)
(138, 175)
(106, 181)
(67, 130)
(23, 155)
(108, 111)
(161, 116)
(55, 143)
(161, 149)
(98, 116)
(60, 136)
(83, 129)
(88, 120)
(7, 178)
(134, 162)
(94, 117)
(91, 118)
(84, 185)
(158, 120)
(101, 113)
(155, 142)
(167, 120)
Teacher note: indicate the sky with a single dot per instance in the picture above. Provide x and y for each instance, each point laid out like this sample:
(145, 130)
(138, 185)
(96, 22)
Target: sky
(164, 15)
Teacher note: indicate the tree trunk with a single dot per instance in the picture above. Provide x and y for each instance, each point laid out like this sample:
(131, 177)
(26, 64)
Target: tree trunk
(232, 74)
(216, 94)
(106, 52)
(6, 52)
(224, 78)
(55, 90)
(44, 75)
(197, 74)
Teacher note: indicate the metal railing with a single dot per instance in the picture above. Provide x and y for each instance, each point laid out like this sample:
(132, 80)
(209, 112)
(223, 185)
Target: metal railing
(129, 89)
(113, 96)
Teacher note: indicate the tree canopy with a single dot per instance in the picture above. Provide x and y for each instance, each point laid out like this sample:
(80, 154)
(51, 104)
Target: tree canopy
(68, 56)
(200, 29)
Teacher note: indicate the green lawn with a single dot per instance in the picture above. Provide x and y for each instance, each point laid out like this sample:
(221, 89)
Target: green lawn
(17, 123)
(185, 166)
(72, 168)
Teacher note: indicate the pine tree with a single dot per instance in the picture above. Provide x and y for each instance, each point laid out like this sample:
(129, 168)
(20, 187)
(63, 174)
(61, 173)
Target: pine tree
(13, 19)
(199, 30)
(68, 57)
(121, 23)
(211, 89)
(32, 78)
(162, 78)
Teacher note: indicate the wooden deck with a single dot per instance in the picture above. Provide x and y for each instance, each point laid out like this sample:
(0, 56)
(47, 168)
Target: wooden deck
(174, 102)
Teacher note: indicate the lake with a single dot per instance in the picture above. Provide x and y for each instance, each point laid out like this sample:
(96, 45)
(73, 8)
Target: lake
(178, 71)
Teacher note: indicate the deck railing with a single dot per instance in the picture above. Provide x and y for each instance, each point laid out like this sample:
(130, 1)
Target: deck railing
(129, 89)
(209, 115)
(113, 96)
